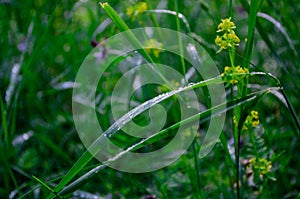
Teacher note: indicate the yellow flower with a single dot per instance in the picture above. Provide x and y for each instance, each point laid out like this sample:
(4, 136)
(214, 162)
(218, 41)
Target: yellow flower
(233, 37)
(226, 25)
(229, 38)
(252, 120)
(261, 165)
(233, 75)
(153, 46)
(141, 7)
(133, 11)
(221, 42)
(129, 11)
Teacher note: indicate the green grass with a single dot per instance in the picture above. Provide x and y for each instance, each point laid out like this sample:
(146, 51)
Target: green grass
(42, 47)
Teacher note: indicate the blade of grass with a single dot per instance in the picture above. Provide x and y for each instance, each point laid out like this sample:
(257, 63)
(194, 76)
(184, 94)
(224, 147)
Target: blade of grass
(153, 18)
(7, 147)
(229, 161)
(263, 34)
(281, 29)
(86, 157)
(117, 20)
(242, 91)
(46, 186)
(179, 40)
(26, 65)
(13, 116)
(197, 170)
(179, 15)
(244, 112)
(77, 167)
(4, 124)
(281, 95)
(290, 107)
(8, 174)
(198, 190)
(230, 8)
(165, 133)
(113, 129)
(251, 28)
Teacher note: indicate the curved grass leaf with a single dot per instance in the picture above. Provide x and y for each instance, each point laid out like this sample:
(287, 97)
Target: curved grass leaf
(263, 35)
(165, 133)
(46, 186)
(118, 21)
(291, 109)
(251, 27)
(180, 16)
(278, 25)
(94, 148)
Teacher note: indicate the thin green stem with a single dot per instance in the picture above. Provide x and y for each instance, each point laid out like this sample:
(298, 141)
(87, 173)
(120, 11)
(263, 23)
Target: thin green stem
(179, 41)
(230, 8)
(252, 139)
(238, 165)
(229, 161)
(4, 125)
(118, 21)
(153, 19)
(197, 169)
(231, 52)
(235, 119)
(293, 112)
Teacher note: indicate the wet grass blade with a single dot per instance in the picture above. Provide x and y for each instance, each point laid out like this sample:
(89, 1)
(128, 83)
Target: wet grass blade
(251, 28)
(262, 33)
(292, 110)
(4, 125)
(230, 8)
(174, 13)
(180, 41)
(78, 166)
(281, 29)
(86, 157)
(121, 25)
(46, 186)
(203, 116)
(113, 129)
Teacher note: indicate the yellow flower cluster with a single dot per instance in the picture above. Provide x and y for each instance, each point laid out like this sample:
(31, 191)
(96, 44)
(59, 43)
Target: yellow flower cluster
(233, 75)
(261, 165)
(133, 11)
(229, 38)
(252, 120)
(226, 25)
(153, 46)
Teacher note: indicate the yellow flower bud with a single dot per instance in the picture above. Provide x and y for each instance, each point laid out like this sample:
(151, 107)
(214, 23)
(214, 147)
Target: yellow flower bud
(153, 46)
(229, 38)
(233, 75)
(133, 11)
(226, 25)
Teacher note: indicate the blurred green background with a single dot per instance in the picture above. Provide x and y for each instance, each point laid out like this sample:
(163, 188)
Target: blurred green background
(42, 45)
